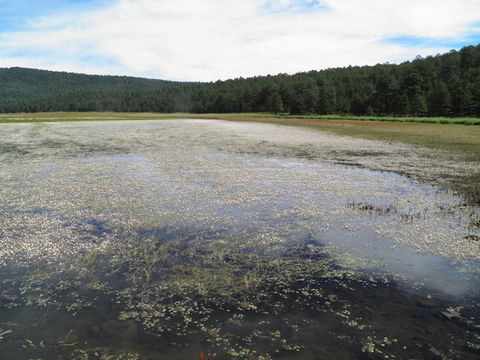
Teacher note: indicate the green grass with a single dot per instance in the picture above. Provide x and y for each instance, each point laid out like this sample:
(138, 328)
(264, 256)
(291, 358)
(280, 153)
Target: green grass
(430, 120)
(92, 116)
(453, 137)
(75, 116)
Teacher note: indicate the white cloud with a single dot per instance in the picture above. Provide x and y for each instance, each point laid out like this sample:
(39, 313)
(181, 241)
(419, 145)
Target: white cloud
(211, 39)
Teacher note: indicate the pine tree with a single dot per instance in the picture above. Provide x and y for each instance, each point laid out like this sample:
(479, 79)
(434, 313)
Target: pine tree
(275, 103)
(439, 101)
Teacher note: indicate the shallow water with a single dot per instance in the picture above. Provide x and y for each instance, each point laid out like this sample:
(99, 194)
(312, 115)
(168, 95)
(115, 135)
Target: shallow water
(165, 239)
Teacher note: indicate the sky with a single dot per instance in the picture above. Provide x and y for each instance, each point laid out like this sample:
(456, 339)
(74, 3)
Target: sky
(208, 40)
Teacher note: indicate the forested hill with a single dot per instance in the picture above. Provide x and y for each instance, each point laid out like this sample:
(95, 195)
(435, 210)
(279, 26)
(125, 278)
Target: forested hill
(442, 85)
(30, 90)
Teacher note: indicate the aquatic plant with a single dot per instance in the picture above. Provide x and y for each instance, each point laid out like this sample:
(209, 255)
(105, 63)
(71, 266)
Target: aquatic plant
(173, 246)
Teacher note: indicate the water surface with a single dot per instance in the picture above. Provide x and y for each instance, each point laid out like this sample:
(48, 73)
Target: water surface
(167, 239)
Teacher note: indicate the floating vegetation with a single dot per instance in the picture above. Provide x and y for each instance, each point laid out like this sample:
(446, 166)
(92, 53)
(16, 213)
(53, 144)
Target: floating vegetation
(138, 240)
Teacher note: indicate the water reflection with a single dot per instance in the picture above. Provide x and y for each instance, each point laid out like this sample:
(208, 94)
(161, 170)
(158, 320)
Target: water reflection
(136, 239)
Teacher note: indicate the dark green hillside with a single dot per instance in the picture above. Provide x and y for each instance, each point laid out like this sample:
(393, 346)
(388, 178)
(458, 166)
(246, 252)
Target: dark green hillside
(442, 85)
(31, 90)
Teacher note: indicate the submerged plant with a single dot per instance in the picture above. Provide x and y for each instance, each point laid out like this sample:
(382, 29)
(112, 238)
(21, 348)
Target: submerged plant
(229, 247)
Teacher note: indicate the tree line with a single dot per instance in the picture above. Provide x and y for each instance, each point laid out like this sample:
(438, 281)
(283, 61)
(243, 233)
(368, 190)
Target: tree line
(441, 85)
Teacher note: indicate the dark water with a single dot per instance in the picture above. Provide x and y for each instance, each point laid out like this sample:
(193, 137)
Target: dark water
(183, 240)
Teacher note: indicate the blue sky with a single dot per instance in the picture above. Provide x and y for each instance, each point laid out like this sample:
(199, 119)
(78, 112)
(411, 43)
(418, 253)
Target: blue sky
(416, 41)
(16, 15)
(471, 36)
(295, 7)
(219, 39)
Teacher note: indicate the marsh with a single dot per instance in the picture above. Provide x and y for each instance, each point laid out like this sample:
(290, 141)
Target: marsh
(171, 238)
